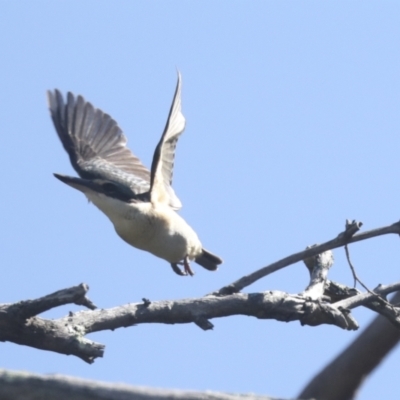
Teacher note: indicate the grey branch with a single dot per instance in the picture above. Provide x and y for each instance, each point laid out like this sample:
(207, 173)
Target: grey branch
(341, 378)
(67, 335)
(322, 302)
(318, 267)
(339, 241)
(19, 324)
(30, 308)
(15, 385)
(374, 301)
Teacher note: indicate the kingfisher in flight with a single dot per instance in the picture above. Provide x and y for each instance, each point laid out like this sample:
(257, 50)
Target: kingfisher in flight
(140, 203)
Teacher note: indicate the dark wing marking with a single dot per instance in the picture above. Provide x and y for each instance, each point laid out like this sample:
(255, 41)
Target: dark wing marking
(163, 159)
(95, 143)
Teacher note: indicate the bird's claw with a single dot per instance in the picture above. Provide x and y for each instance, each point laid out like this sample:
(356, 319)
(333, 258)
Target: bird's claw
(177, 270)
(186, 267)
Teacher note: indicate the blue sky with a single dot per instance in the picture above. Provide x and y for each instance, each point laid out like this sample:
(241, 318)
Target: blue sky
(292, 112)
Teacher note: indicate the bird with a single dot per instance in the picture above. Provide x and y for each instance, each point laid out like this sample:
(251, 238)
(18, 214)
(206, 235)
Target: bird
(141, 204)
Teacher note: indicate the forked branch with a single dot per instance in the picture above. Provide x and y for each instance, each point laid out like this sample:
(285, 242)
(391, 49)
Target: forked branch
(322, 302)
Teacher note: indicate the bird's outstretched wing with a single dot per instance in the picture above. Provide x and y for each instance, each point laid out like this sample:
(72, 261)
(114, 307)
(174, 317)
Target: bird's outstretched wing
(163, 159)
(95, 144)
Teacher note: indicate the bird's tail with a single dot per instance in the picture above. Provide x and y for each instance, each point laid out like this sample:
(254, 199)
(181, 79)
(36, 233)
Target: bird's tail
(208, 260)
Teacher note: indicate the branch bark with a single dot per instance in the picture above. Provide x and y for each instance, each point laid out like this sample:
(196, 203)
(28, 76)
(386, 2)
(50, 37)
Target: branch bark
(322, 302)
(67, 335)
(342, 377)
(343, 238)
(18, 324)
(17, 385)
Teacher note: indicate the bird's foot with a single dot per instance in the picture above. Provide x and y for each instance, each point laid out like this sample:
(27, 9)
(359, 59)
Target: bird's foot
(186, 266)
(177, 270)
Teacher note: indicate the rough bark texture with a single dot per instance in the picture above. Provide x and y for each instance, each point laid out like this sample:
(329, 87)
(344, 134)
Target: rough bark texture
(22, 386)
(67, 335)
(345, 237)
(322, 302)
(341, 378)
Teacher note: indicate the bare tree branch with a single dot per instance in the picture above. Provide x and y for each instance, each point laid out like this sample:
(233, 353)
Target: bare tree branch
(342, 239)
(322, 302)
(19, 324)
(342, 377)
(376, 301)
(360, 299)
(67, 335)
(16, 385)
(318, 267)
(73, 295)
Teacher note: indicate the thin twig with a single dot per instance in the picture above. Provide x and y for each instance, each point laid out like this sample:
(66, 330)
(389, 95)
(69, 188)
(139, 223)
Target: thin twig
(357, 279)
(360, 299)
(338, 241)
(353, 270)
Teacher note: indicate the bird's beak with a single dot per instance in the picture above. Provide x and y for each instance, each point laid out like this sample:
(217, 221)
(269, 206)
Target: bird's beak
(83, 185)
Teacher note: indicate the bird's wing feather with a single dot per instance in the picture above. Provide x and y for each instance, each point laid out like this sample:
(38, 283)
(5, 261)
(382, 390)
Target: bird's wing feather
(163, 159)
(95, 143)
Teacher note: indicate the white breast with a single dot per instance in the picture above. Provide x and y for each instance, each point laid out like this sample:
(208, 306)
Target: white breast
(153, 228)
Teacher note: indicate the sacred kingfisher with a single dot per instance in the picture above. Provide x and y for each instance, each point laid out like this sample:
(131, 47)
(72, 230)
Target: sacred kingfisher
(140, 203)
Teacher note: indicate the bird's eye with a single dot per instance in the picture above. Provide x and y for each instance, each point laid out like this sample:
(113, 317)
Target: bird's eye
(109, 187)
